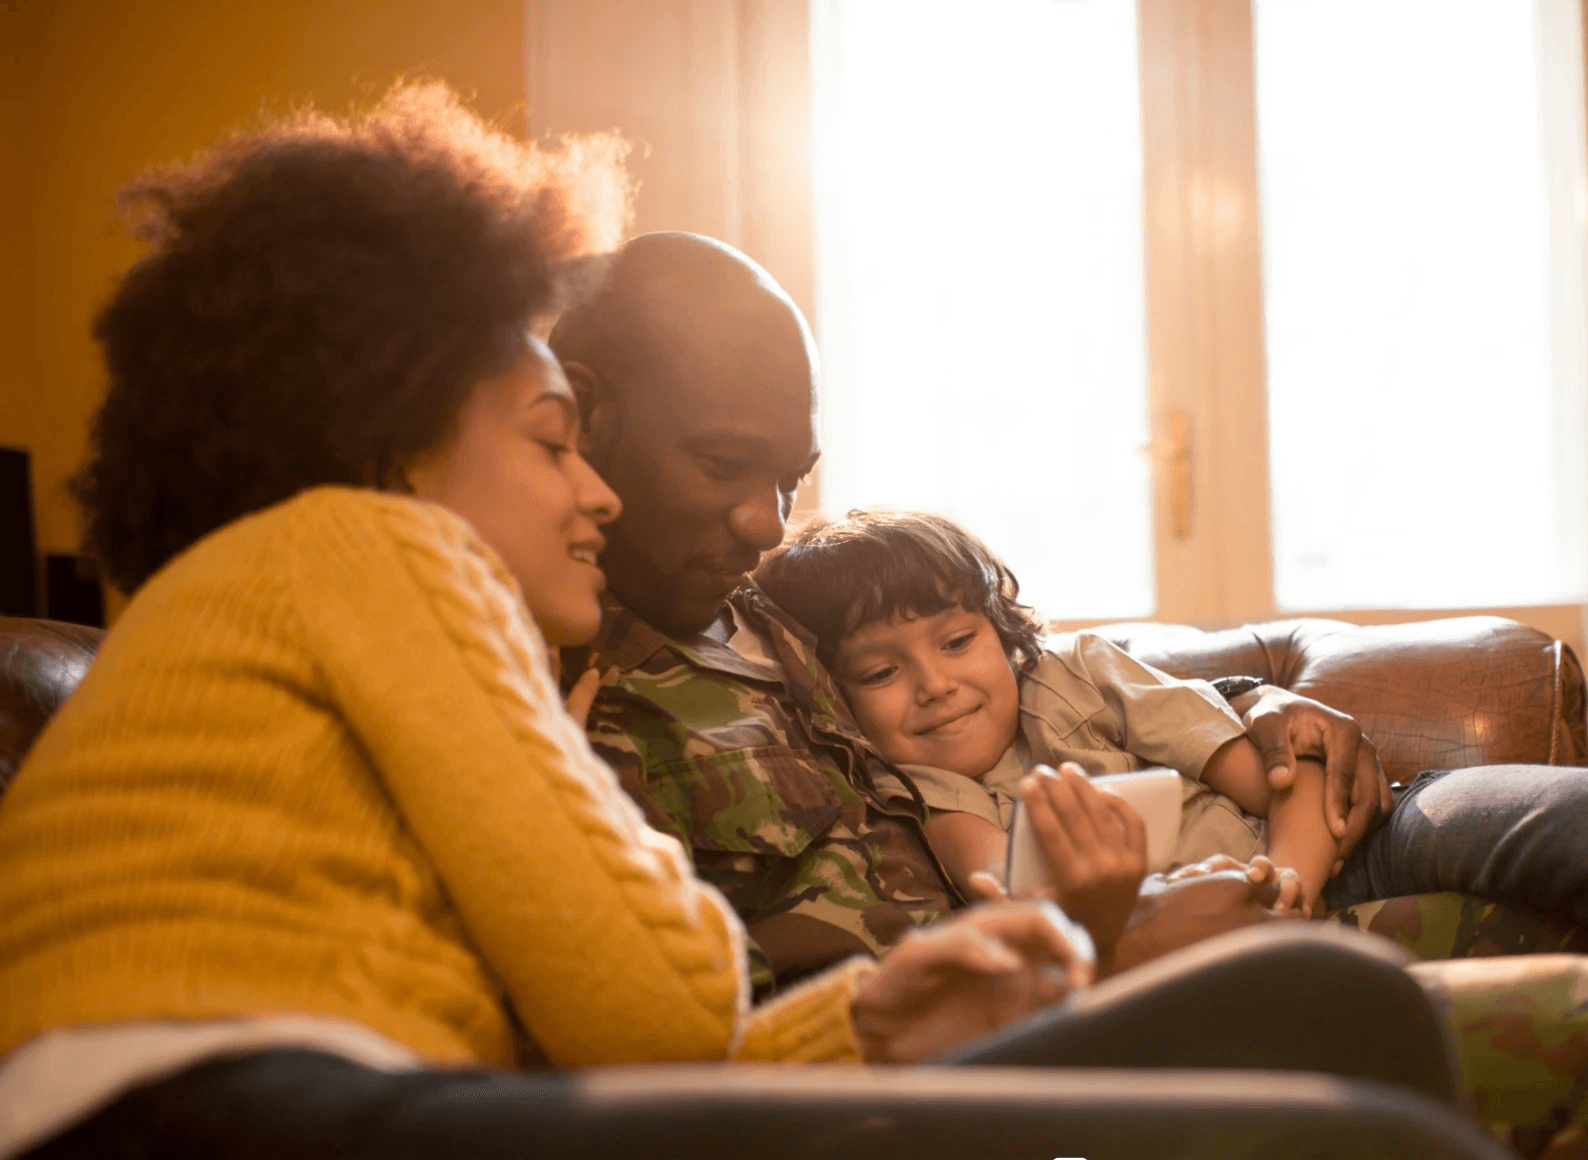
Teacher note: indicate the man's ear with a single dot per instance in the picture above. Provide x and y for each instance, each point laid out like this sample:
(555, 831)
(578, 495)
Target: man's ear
(597, 410)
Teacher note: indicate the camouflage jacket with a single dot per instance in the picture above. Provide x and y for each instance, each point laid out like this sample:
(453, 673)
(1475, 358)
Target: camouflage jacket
(769, 786)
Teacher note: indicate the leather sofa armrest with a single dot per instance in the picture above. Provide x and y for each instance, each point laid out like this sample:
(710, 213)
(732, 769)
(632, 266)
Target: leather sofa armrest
(41, 662)
(1463, 691)
(853, 1113)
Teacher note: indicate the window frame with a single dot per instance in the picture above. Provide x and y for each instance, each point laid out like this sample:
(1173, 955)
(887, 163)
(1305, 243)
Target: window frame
(1207, 360)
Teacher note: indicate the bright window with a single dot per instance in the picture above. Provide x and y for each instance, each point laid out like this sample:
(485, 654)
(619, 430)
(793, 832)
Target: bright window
(980, 296)
(1421, 167)
(1397, 231)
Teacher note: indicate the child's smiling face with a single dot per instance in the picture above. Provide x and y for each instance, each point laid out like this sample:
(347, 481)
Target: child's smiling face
(932, 690)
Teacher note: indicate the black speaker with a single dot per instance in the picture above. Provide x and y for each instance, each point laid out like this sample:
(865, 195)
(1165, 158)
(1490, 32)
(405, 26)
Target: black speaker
(72, 590)
(19, 555)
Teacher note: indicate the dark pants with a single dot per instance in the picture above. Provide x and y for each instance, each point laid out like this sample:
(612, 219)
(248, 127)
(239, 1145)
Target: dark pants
(1291, 996)
(1515, 833)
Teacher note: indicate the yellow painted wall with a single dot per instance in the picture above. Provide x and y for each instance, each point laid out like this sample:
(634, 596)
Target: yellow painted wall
(92, 92)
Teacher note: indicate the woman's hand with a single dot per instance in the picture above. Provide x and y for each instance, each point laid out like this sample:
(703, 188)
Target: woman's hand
(1258, 871)
(583, 695)
(946, 984)
(1095, 847)
(1285, 726)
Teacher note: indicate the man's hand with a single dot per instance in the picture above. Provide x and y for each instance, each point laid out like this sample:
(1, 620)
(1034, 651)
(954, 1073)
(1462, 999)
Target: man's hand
(1259, 870)
(1171, 915)
(1095, 847)
(948, 983)
(1287, 727)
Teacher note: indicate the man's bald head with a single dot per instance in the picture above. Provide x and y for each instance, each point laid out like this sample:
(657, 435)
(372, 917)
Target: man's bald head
(669, 302)
(696, 378)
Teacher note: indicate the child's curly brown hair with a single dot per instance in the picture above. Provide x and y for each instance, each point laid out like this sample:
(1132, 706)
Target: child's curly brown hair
(833, 576)
(318, 299)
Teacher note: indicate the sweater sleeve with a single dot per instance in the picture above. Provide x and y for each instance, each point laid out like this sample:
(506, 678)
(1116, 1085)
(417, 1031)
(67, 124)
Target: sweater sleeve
(809, 1023)
(609, 948)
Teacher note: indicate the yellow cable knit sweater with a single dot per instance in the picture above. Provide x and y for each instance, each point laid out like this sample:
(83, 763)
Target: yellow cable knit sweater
(320, 766)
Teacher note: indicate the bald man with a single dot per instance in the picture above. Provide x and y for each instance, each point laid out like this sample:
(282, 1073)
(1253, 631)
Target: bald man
(696, 378)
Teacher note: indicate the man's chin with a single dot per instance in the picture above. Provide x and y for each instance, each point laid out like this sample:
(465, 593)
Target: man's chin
(692, 610)
(698, 612)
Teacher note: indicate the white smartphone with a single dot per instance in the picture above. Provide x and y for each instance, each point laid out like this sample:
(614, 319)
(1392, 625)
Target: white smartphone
(1025, 873)
(1154, 794)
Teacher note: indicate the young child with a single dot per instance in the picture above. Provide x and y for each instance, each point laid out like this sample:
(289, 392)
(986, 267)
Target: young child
(947, 675)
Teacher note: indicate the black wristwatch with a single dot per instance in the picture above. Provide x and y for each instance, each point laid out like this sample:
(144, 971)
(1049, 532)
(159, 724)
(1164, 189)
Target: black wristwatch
(1231, 687)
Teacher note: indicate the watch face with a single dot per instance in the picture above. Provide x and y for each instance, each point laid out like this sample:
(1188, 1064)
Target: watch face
(1228, 687)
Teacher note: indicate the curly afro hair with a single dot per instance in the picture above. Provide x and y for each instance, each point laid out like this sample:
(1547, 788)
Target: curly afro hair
(834, 576)
(318, 299)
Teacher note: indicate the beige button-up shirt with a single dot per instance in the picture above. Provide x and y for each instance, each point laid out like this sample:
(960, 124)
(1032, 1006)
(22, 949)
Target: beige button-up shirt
(1090, 702)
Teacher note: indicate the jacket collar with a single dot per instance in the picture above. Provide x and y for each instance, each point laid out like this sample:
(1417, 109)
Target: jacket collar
(626, 642)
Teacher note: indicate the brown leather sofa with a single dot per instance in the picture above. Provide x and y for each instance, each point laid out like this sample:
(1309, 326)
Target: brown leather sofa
(1438, 694)
(1445, 693)
(41, 662)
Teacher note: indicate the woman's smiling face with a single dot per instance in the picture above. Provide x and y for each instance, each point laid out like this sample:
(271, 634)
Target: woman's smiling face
(512, 468)
(932, 690)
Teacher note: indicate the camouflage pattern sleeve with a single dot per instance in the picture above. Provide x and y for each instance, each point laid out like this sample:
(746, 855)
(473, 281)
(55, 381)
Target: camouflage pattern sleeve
(768, 785)
(622, 752)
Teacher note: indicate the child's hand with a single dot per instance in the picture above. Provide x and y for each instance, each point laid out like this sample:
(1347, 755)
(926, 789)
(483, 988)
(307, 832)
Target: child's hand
(1095, 847)
(1259, 870)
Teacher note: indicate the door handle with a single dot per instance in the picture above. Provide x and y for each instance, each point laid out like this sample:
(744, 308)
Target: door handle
(1172, 452)
(1179, 464)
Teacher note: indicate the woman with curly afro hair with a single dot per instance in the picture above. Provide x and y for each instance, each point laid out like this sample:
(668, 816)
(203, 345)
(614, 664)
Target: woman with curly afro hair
(315, 846)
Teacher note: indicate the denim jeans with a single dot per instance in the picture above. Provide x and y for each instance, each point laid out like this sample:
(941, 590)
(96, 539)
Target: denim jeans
(1515, 833)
